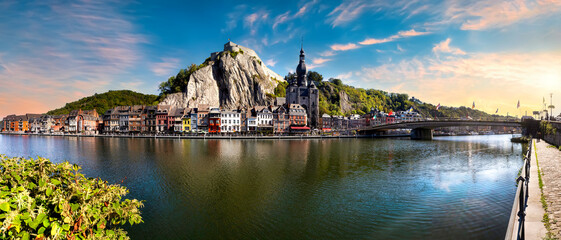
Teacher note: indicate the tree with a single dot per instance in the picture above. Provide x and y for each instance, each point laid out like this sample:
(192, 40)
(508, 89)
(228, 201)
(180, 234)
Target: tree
(336, 81)
(290, 77)
(314, 76)
(280, 90)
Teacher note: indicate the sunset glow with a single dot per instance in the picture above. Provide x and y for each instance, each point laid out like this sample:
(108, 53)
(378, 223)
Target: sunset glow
(490, 52)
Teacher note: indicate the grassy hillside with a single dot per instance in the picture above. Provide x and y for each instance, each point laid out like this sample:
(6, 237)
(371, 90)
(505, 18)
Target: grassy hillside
(102, 102)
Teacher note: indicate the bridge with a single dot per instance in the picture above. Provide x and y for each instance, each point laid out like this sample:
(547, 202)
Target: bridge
(423, 130)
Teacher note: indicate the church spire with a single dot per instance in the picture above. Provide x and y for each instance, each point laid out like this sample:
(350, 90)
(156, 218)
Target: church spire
(301, 71)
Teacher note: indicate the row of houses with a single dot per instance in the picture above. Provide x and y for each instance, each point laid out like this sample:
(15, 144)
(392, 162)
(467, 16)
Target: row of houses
(204, 119)
(165, 119)
(84, 121)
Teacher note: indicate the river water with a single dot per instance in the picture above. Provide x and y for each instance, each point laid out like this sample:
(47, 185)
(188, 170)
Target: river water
(448, 188)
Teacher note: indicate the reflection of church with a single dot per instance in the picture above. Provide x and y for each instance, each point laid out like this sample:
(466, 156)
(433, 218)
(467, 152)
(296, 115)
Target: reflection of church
(304, 92)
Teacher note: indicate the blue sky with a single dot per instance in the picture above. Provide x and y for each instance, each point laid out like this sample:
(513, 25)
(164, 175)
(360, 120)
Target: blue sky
(492, 52)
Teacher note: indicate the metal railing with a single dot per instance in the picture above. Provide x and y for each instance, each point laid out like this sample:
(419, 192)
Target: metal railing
(518, 213)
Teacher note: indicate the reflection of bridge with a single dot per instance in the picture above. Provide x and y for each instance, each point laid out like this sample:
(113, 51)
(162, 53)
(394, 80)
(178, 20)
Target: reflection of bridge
(422, 130)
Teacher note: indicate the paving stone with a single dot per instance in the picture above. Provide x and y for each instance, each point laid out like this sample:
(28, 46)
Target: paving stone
(549, 160)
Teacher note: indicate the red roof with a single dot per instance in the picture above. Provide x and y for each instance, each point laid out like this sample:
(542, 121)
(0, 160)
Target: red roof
(326, 129)
(300, 128)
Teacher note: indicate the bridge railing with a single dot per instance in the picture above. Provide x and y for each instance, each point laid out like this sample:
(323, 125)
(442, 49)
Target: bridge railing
(518, 213)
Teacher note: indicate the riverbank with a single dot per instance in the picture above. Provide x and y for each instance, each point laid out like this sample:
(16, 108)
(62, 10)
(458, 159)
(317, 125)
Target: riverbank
(210, 136)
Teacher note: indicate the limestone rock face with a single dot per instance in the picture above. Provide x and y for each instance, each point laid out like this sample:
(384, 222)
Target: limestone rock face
(230, 80)
(345, 103)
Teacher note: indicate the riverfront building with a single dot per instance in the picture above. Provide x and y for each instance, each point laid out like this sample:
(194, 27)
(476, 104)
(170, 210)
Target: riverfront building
(230, 121)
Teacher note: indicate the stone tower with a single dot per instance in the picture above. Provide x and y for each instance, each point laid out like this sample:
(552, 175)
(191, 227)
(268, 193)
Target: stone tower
(304, 92)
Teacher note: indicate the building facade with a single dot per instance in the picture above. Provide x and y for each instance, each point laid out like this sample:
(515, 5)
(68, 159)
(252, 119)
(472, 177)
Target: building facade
(304, 92)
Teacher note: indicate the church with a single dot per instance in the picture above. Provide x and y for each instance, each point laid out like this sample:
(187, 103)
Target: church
(304, 92)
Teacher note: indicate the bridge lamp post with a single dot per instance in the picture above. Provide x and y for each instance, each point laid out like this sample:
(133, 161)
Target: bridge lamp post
(551, 107)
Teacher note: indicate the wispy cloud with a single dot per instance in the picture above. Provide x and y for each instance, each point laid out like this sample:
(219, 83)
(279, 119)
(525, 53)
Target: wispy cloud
(320, 60)
(492, 14)
(280, 19)
(444, 47)
(254, 20)
(411, 33)
(287, 16)
(351, 10)
(348, 11)
(233, 18)
(165, 67)
(401, 34)
(271, 62)
(344, 76)
(371, 41)
(344, 47)
(327, 53)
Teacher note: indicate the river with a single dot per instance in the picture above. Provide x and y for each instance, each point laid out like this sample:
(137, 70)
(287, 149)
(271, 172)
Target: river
(459, 187)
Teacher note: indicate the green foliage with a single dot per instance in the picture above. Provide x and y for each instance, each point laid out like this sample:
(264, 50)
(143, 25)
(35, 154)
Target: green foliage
(280, 90)
(234, 54)
(336, 81)
(42, 200)
(547, 129)
(314, 76)
(103, 102)
(178, 83)
(290, 77)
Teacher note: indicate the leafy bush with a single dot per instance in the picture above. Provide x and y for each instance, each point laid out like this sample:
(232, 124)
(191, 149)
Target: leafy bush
(43, 200)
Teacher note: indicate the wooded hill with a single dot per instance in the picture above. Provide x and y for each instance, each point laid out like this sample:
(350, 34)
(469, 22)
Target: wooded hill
(104, 101)
(337, 98)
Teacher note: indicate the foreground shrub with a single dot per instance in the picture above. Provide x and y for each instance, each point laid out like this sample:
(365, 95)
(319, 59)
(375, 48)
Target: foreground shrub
(43, 200)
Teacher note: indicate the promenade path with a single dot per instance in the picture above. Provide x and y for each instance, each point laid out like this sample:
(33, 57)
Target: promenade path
(549, 160)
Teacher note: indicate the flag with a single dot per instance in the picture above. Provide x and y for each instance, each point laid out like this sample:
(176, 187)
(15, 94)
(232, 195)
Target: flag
(391, 112)
(473, 105)
(518, 105)
(437, 106)
(497, 111)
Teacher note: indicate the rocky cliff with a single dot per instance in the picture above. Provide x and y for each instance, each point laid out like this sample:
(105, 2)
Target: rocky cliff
(235, 77)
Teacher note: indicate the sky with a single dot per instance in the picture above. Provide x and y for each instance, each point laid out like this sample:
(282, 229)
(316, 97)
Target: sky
(493, 53)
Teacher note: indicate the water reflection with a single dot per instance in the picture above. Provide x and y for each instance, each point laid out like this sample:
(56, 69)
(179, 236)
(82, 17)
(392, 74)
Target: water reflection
(452, 187)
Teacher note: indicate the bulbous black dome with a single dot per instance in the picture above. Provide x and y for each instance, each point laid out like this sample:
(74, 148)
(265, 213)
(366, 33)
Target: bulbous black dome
(301, 69)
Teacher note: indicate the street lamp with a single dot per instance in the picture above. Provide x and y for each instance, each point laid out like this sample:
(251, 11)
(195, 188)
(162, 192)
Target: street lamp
(551, 107)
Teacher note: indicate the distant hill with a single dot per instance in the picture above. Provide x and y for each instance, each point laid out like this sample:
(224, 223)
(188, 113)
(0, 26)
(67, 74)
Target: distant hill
(337, 98)
(104, 101)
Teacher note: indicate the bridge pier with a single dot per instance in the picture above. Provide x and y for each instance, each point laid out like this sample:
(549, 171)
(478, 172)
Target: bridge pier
(421, 134)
